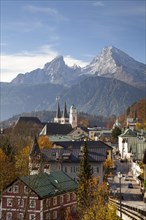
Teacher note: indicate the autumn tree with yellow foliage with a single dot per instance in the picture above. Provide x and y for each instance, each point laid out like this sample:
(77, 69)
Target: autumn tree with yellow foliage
(99, 207)
(22, 162)
(7, 170)
(44, 142)
(108, 165)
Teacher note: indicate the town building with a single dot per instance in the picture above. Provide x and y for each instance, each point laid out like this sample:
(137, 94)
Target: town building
(39, 197)
(131, 144)
(66, 156)
(96, 133)
(63, 124)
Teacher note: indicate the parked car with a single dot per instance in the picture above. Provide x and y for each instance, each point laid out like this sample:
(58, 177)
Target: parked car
(130, 185)
(126, 178)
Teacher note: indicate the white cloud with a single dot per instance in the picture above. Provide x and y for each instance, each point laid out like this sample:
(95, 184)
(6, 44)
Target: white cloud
(26, 61)
(70, 61)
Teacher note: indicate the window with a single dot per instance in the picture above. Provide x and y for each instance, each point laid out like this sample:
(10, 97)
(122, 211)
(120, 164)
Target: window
(26, 189)
(32, 203)
(55, 201)
(61, 199)
(9, 202)
(65, 169)
(48, 203)
(15, 188)
(9, 189)
(68, 197)
(20, 203)
(9, 216)
(32, 217)
(54, 214)
(20, 216)
(48, 216)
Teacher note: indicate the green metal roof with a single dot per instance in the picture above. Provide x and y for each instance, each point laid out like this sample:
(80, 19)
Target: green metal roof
(58, 138)
(47, 185)
(55, 138)
(128, 133)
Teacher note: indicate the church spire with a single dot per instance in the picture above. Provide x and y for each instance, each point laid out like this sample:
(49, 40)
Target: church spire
(58, 113)
(65, 111)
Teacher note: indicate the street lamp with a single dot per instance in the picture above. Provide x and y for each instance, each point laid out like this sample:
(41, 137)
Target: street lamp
(120, 177)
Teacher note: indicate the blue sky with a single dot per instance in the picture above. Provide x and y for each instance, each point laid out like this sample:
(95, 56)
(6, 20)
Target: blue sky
(34, 32)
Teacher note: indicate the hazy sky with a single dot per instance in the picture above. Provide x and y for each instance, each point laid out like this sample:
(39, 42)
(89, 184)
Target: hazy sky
(34, 32)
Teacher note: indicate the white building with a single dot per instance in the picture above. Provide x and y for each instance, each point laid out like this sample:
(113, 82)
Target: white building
(131, 145)
(65, 118)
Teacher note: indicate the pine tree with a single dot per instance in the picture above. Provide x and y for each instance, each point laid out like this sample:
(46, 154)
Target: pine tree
(116, 132)
(84, 179)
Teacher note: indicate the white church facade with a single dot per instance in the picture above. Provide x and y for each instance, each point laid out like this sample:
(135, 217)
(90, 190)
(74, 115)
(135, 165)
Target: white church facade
(66, 118)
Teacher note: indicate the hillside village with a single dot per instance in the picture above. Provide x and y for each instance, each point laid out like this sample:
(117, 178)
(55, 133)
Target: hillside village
(73, 110)
(45, 164)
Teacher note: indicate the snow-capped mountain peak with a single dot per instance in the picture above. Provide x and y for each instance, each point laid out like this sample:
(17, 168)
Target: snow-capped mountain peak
(111, 63)
(114, 63)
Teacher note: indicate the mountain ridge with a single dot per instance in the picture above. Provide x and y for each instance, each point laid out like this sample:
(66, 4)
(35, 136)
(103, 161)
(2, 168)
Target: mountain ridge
(110, 63)
(105, 92)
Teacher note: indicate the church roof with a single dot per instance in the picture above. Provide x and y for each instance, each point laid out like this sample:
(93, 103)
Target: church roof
(55, 128)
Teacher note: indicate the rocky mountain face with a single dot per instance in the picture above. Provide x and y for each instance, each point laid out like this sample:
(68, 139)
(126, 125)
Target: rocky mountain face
(16, 99)
(114, 63)
(110, 63)
(56, 72)
(108, 85)
(101, 96)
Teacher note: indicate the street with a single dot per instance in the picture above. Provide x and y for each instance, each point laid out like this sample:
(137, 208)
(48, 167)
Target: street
(130, 196)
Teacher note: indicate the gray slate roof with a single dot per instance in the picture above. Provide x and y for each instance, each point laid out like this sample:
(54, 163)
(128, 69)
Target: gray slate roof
(32, 120)
(55, 128)
(71, 151)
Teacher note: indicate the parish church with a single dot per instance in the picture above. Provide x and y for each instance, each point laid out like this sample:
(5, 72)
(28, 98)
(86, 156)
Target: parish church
(66, 118)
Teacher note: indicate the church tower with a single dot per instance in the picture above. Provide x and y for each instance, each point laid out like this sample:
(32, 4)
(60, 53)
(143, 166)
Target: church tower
(73, 116)
(65, 118)
(57, 119)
